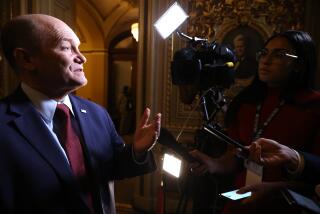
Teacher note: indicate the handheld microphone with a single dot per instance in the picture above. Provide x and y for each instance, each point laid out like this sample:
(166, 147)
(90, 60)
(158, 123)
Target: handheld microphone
(244, 152)
(167, 139)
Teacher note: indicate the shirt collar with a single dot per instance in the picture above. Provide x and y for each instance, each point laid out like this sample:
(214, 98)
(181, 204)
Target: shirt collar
(43, 104)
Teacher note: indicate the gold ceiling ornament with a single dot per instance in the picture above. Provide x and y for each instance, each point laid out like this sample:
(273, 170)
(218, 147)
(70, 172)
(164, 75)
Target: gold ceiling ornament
(207, 16)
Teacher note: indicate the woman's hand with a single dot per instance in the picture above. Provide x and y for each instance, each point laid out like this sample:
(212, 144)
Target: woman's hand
(260, 191)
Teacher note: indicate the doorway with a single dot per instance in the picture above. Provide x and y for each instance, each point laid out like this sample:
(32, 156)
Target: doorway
(122, 82)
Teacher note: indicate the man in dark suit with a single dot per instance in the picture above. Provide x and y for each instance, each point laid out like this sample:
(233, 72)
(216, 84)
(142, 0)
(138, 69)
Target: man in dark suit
(60, 153)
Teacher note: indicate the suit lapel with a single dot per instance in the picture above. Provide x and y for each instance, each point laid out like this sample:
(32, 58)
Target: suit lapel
(84, 120)
(31, 126)
(37, 134)
(81, 113)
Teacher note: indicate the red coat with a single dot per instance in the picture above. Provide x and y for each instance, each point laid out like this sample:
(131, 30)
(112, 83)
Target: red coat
(295, 125)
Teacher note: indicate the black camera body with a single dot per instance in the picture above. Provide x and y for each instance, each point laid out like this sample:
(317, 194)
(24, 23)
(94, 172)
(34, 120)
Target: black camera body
(203, 63)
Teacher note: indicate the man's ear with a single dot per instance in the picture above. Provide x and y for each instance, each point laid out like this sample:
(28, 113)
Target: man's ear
(24, 59)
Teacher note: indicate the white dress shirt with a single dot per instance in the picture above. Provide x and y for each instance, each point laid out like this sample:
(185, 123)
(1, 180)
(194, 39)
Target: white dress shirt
(46, 107)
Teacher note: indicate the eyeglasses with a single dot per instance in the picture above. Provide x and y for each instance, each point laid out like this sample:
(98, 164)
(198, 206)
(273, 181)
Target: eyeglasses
(276, 54)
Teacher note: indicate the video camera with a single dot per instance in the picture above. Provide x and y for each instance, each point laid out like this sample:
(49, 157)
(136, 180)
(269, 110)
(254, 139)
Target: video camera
(202, 63)
(208, 68)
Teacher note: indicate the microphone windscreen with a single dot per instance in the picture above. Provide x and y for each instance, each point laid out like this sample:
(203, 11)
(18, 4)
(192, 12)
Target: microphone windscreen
(229, 64)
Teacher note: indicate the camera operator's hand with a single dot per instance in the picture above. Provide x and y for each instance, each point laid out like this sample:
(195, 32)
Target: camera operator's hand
(224, 164)
(260, 191)
(270, 153)
(204, 164)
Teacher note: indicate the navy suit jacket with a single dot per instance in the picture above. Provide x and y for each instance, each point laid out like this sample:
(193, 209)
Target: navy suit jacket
(35, 176)
(311, 171)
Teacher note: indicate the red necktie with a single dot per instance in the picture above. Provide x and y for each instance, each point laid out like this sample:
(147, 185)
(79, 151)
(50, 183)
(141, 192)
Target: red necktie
(70, 140)
(72, 146)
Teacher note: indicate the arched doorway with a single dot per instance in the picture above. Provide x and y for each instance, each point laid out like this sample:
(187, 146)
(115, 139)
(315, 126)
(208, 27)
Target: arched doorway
(122, 82)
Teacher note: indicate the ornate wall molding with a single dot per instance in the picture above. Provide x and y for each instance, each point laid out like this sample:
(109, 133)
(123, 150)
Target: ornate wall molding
(209, 18)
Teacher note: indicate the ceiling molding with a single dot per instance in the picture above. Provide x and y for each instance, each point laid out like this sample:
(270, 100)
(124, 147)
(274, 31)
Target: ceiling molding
(94, 6)
(112, 17)
(113, 10)
(95, 15)
(134, 3)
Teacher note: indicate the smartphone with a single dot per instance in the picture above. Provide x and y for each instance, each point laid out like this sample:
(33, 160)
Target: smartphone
(233, 195)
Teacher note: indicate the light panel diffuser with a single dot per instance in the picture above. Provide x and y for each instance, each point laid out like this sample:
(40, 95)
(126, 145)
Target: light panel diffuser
(170, 20)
